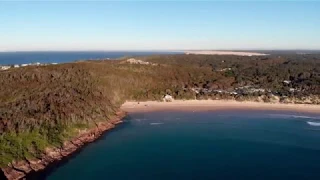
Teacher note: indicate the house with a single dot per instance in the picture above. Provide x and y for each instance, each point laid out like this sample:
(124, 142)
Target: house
(253, 90)
(219, 91)
(286, 81)
(196, 90)
(233, 93)
(16, 66)
(249, 90)
(205, 90)
(24, 65)
(224, 69)
(292, 90)
(168, 98)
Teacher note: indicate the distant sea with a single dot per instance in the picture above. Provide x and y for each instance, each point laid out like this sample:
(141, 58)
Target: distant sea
(202, 145)
(9, 58)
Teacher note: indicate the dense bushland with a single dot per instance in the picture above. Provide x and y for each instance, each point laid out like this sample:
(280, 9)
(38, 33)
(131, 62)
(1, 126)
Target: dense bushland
(42, 106)
(260, 71)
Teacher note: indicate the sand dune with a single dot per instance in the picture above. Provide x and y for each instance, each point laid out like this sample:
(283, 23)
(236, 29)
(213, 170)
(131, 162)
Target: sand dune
(226, 53)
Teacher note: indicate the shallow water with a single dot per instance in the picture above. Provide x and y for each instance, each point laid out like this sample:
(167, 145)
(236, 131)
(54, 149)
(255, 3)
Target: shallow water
(202, 145)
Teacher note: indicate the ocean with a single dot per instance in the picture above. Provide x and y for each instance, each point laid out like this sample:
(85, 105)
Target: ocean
(10, 58)
(204, 145)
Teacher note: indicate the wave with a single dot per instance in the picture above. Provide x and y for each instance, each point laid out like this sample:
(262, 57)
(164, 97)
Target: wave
(306, 117)
(154, 124)
(313, 123)
(294, 116)
(136, 119)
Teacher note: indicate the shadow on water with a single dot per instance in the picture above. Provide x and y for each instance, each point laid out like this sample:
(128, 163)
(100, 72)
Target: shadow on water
(2, 176)
(52, 167)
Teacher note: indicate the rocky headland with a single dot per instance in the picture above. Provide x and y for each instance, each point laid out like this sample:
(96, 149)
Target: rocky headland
(20, 169)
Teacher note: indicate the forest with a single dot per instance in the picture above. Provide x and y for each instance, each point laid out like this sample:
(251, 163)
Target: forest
(43, 106)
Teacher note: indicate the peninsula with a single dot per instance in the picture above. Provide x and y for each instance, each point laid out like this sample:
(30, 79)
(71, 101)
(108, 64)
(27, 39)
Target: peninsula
(48, 112)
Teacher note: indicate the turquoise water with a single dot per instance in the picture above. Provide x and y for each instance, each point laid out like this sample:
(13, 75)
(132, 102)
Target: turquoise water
(202, 145)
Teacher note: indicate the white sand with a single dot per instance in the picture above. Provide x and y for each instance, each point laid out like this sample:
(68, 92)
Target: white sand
(236, 53)
(198, 105)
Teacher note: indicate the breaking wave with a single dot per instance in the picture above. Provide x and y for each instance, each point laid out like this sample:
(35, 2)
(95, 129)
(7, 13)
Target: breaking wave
(294, 116)
(313, 123)
(154, 124)
(137, 119)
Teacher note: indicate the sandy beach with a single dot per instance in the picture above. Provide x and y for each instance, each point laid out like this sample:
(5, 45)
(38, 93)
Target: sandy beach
(198, 105)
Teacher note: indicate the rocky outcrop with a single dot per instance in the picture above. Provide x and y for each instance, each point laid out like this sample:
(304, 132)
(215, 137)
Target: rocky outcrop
(19, 169)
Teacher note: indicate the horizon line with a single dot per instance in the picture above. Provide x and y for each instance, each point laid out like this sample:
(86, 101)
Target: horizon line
(160, 50)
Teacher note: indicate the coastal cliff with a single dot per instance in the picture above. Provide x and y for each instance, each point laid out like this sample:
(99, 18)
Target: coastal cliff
(20, 169)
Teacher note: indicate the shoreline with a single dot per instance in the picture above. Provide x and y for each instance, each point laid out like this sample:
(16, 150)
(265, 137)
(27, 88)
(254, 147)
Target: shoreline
(207, 105)
(33, 168)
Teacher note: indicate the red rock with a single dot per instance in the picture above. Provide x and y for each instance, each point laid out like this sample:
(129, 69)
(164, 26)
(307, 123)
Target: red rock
(54, 154)
(22, 165)
(12, 174)
(36, 165)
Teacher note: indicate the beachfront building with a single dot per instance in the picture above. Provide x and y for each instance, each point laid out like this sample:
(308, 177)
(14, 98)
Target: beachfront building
(196, 90)
(168, 98)
(249, 90)
(233, 93)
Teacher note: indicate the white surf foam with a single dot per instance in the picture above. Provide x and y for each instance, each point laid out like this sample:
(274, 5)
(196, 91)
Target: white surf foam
(154, 124)
(313, 123)
(139, 119)
(293, 116)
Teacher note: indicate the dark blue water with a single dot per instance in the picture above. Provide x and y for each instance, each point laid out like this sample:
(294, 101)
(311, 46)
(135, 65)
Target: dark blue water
(9, 58)
(202, 145)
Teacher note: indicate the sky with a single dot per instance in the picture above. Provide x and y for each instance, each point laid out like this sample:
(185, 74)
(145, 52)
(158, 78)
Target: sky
(158, 25)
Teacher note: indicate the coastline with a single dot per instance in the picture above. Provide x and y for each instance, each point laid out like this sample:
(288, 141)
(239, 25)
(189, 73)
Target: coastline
(32, 167)
(24, 168)
(205, 105)
(29, 168)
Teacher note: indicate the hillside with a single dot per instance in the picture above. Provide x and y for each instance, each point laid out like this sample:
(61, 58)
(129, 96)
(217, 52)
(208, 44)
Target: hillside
(42, 106)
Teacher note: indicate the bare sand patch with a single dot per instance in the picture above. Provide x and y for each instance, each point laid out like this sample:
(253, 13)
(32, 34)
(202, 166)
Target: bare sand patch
(236, 53)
